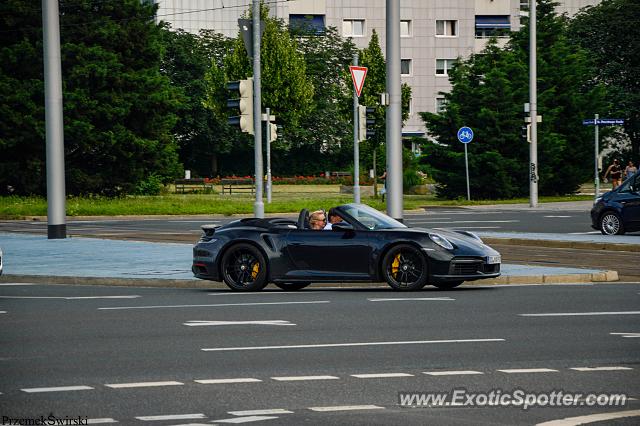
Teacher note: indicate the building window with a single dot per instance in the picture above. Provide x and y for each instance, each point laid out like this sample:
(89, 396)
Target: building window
(524, 4)
(405, 28)
(446, 28)
(492, 26)
(313, 24)
(441, 105)
(353, 28)
(405, 66)
(443, 66)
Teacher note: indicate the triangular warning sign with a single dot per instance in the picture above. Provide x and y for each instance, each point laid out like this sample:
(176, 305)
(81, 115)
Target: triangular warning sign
(358, 74)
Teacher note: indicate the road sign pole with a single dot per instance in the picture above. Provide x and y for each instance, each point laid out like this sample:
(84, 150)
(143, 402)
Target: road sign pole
(597, 152)
(533, 101)
(268, 141)
(356, 144)
(466, 167)
(394, 112)
(258, 206)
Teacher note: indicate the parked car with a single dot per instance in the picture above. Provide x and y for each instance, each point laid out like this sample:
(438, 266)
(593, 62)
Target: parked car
(618, 211)
(368, 246)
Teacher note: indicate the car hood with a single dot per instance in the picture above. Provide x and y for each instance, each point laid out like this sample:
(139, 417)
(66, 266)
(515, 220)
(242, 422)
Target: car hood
(459, 240)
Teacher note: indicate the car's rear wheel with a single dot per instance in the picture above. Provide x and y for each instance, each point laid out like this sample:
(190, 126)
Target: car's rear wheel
(404, 267)
(447, 285)
(611, 224)
(244, 268)
(292, 286)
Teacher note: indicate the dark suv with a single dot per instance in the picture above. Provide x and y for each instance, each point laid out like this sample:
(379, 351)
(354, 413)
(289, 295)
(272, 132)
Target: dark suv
(618, 211)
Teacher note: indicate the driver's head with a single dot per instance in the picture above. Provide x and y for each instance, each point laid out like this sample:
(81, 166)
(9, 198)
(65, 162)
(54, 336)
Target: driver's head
(317, 220)
(334, 217)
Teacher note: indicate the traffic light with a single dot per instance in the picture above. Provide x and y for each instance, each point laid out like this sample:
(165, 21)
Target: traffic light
(371, 122)
(273, 132)
(242, 103)
(366, 122)
(526, 132)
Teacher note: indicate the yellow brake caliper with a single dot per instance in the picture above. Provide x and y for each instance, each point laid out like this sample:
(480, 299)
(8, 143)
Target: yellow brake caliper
(395, 265)
(255, 270)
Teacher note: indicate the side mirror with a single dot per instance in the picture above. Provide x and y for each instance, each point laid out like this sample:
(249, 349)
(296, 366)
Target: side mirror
(342, 226)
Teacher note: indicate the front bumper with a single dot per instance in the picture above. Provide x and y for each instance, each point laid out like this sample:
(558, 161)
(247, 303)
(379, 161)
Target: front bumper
(468, 269)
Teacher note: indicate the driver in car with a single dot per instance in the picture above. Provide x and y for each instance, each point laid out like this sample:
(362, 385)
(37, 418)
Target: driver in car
(334, 217)
(317, 220)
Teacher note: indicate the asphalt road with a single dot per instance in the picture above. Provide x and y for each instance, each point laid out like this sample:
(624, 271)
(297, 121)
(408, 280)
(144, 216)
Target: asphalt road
(135, 355)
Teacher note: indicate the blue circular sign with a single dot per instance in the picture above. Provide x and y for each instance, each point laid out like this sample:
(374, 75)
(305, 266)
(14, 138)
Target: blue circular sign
(465, 134)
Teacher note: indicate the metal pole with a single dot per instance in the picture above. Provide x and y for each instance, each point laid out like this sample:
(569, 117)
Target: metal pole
(394, 112)
(356, 143)
(466, 167)
(258, 206)
(268, 134)
(533, 101)
(596, 171)
(56, 208)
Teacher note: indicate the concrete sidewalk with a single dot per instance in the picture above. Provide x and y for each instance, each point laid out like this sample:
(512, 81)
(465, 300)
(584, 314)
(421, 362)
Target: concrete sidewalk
(34, 258)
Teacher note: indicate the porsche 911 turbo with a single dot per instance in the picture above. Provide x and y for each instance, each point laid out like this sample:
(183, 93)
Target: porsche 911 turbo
(366, 246)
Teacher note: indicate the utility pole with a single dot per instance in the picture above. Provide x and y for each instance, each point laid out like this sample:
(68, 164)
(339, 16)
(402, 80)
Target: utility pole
(56, 205)
(394, 112)
(356, 144)
(533, 101)
(268, 141)
(597, 149)
(258, 206)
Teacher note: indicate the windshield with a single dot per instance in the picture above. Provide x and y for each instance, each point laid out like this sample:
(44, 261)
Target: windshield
(370, 217)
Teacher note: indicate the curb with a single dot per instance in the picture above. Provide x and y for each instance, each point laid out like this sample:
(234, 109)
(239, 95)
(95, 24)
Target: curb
(562, 244)
(598, 277)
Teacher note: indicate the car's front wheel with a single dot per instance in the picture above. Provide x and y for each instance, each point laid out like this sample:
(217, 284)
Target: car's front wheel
(292, 286)
(244, 268)
(611, 224)
(404, 267)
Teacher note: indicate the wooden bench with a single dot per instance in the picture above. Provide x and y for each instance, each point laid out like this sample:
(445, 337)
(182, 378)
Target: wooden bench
(237, 185)
(191, 185)
(341, 174)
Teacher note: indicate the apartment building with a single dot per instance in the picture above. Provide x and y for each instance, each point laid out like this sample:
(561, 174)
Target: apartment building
(434, 32)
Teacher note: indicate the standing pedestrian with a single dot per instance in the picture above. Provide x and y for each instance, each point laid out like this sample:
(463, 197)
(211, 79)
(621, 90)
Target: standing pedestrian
(615, 171)
(630, 170)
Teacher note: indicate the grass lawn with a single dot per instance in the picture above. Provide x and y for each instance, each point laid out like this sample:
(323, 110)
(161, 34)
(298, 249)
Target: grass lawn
(286, 198)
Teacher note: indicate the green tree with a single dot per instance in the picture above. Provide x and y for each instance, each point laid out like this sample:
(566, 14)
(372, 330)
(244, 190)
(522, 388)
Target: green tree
(488, 93)
(118, 108)
(610, 33)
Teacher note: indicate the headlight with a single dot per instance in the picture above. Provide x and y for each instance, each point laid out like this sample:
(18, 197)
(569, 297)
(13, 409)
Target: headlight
(441, 241)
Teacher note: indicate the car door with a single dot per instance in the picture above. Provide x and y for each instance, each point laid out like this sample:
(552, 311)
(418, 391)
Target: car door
(629, 198)
(329, 254)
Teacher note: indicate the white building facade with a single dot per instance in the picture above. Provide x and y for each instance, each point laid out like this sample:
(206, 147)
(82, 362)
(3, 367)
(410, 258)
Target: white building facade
(434, 32)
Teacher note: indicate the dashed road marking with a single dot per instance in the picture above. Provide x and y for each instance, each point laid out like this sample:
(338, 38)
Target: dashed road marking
(580, 420)
(301, 378)
(411, 299)
(452, 373)
(57, 389)
(69, 297)
(172, 417)
(528, 370)
(628, 335)
(102, 421)
(215, 305)
(227, 381)
(585, 369)
(267, 412)
(346, 408)
(338, 345)
(142, 384)
(580, 314)
(218, 323)
(238, 420)
(381, 375)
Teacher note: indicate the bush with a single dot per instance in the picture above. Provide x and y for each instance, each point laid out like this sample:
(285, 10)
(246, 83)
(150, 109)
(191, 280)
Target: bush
(411, 178)
(152, 185)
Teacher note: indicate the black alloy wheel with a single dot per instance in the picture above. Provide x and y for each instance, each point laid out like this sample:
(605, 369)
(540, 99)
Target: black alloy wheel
(244, 268)
(611, 224)
(292, 286)
(404, 268)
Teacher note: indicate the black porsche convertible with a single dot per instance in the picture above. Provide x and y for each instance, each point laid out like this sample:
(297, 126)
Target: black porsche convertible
(367, 246)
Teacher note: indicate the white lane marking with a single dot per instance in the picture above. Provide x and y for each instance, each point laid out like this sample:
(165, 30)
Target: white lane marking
(346, 408)
(626, 334)
(581, 314)
(402, 299)
(3, 312)
(260, 412)
(600, 368)
(14, 284)
(527, 370)
(142, 384)
(381, 375)
(226, 293)
(69, 297)
(558, 216)
(464, 221)
(216, 305)
(215, 323)
(172, 417)
(238, 420)
(337, 345)
(470, 227)
(302, 378)
(57, 389)
(452, 373)
(580, 420)
(584, 233)
(225, 381)
(101, 421)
